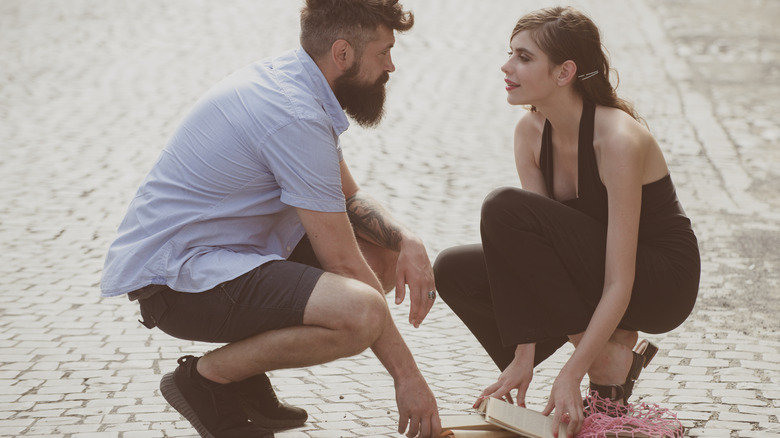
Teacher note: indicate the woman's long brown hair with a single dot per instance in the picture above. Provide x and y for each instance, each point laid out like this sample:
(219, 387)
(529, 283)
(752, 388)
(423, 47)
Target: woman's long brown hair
(564, 33)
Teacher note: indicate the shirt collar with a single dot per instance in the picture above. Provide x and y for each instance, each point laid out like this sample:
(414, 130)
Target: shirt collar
(323, 92)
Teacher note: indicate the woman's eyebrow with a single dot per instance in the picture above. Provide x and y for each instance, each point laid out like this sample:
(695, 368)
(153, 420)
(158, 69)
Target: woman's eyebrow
(521, 50)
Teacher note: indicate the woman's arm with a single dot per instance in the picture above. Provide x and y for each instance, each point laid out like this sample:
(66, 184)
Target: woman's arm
(621, 172)
(527, 144)
(621, 166)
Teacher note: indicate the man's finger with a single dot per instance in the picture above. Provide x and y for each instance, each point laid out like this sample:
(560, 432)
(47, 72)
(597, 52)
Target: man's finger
(435, 425)
(414, 427)
(400, 289)
(428, 304)
(403, 422)
(425, 427)
(414, 298)
(422, 309)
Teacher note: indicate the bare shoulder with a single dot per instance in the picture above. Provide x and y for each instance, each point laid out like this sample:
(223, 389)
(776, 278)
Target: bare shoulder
(528, 131)
(528, 146)
(620, 137)
(615, 129)
(530, 125)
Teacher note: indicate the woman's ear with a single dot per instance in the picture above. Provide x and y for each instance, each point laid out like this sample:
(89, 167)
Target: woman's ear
(342, 54)
(566, 72)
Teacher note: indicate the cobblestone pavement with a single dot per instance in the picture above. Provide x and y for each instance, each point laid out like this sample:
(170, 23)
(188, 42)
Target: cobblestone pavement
(90, 90)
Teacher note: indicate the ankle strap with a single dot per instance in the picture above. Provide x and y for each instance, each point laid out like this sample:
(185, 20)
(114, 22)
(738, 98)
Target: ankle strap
(613, 392)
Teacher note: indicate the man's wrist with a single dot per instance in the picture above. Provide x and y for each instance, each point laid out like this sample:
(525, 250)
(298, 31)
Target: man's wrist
(406, 375)
(409, 239)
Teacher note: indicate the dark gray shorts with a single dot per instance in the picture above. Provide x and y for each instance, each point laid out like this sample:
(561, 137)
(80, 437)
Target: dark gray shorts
(269, 297)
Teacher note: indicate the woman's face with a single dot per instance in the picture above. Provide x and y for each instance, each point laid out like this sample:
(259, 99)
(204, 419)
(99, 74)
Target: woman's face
(528, 72)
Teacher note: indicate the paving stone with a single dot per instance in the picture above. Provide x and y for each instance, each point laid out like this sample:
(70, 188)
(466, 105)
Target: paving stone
(90, 91)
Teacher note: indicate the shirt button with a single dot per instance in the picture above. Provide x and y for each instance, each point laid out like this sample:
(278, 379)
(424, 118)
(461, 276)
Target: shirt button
(288, 249)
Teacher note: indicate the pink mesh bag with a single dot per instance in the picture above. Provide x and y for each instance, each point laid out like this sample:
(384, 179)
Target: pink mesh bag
(608, 419)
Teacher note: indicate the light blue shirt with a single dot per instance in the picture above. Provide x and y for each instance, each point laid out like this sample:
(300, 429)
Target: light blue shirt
(220, 200)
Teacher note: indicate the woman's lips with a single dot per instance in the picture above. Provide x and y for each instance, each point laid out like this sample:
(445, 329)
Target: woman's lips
(510, 85)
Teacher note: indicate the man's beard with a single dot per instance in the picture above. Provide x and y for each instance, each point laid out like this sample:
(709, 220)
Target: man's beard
(365, 103)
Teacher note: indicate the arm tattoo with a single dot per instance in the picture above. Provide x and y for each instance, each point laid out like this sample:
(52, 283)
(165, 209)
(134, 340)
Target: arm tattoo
(370, 221)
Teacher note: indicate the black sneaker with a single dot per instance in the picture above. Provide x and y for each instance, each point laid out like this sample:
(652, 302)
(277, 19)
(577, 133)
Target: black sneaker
(257, 397)
(211, 408)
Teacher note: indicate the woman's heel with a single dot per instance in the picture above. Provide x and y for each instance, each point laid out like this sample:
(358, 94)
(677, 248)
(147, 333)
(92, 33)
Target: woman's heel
(647, 350)
(643, 353)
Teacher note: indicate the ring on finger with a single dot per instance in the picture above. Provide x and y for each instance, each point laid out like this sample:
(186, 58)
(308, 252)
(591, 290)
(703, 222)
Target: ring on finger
(566, 417)
(432, 295)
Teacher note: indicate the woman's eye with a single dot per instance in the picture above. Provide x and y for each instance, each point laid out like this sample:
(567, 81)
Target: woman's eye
(521, 57)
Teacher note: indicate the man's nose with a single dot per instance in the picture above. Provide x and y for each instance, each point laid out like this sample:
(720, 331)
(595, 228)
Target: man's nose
(390, 67)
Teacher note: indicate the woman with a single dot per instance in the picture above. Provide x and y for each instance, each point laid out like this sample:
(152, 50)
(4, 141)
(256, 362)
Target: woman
(593, 249)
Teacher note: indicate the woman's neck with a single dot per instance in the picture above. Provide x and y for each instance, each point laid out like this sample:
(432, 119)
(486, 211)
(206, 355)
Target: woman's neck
(564, 114)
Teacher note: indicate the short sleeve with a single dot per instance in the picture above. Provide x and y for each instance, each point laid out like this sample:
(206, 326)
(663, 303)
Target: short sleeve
(304, 157)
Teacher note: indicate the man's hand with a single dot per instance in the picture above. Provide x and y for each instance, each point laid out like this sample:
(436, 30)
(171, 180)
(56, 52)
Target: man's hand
(414, 269)
(417, 410)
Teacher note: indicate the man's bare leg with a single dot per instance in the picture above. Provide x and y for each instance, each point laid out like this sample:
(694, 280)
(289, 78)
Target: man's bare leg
(342, 318)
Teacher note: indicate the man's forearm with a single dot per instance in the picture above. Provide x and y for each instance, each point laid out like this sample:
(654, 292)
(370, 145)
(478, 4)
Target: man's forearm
(373, 223)
(394, 354)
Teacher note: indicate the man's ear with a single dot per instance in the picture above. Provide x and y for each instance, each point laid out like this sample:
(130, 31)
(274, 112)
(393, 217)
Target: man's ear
(566, 72)
(342, 54)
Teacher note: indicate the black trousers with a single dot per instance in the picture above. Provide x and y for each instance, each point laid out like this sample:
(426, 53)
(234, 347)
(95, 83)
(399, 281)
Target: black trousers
(538, 276)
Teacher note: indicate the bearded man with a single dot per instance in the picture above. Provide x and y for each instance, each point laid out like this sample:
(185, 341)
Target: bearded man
(250, 231)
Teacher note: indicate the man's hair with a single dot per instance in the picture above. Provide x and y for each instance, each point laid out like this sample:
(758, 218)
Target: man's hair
(323, 22)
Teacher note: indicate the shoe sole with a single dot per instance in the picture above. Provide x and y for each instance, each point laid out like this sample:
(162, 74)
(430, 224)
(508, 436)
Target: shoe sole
(176, 399)
(269, 423)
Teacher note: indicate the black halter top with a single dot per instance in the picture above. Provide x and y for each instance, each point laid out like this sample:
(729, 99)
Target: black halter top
(661, 212)
(589, 186)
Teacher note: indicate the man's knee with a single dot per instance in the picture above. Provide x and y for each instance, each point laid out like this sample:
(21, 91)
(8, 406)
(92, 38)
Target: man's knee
(365, 319)
(349, 306)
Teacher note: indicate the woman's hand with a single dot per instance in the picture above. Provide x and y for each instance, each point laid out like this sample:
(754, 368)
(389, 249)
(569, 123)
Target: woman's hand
(566, 403)
(517, 376)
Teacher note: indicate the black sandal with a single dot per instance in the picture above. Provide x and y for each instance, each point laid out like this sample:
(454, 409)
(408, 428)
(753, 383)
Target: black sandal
(643, 354)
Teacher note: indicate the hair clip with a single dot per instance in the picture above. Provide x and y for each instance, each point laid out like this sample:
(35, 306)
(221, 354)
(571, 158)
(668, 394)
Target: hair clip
(588, 75)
